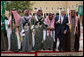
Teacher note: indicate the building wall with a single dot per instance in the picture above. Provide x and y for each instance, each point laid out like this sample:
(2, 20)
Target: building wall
(53, 6)
(74, 4)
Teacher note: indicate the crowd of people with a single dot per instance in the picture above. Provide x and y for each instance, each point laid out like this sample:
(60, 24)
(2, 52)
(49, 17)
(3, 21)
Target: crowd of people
(38, 31)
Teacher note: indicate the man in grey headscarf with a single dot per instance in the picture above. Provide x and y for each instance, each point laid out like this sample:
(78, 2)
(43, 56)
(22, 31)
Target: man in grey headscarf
(26, 31)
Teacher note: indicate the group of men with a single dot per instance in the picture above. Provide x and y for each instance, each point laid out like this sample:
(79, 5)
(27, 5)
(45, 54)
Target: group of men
(36, 32)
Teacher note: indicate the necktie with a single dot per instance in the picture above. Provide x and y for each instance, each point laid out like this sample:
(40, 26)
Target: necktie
(61, 19)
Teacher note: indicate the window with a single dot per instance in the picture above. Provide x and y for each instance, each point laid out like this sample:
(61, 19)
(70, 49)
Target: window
(76, 5)
(63, 8)
(46, 8)
(41, 8)
(52, 8)
(72, 6)
(35, 8)
(58, 8)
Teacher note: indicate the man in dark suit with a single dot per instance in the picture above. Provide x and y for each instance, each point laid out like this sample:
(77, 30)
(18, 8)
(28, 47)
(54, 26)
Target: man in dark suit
(60, 29)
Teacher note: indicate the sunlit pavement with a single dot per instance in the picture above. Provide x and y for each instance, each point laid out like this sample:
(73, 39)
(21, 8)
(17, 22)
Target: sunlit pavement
(47, 52)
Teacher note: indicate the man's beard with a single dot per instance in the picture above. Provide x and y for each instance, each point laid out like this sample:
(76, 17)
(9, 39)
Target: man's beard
(6, 18)
(26, 14)
(50, 18)
(73, 16)
(39, 15)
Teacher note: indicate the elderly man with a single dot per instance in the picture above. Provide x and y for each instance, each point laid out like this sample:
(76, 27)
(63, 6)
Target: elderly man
(38, 22)
(14, 23)
(49, 30)
(26, 31)
(73, 25)
(60, 29)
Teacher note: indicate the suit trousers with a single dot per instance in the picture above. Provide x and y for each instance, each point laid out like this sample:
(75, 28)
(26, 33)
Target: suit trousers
(61, 38)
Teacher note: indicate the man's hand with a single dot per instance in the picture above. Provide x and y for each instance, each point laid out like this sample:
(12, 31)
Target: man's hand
(4, 15)
(8, 25)
(1, 24)
(68, 24)
(65, 31)
(50, 28)
(58, 21)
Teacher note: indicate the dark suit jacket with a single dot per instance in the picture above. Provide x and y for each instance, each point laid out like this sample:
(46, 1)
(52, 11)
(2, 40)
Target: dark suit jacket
(59, 28)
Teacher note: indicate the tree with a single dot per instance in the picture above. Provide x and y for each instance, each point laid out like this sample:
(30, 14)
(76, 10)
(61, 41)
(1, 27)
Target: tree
(20, 6)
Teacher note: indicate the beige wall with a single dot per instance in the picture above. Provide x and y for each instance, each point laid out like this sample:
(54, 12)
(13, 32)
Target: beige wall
(74, 4)
(55, 5)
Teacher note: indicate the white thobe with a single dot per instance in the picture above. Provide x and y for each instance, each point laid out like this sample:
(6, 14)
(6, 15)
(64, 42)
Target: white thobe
(8, 29)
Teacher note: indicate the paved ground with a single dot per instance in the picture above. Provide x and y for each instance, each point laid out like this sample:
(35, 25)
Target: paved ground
(44, 53)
